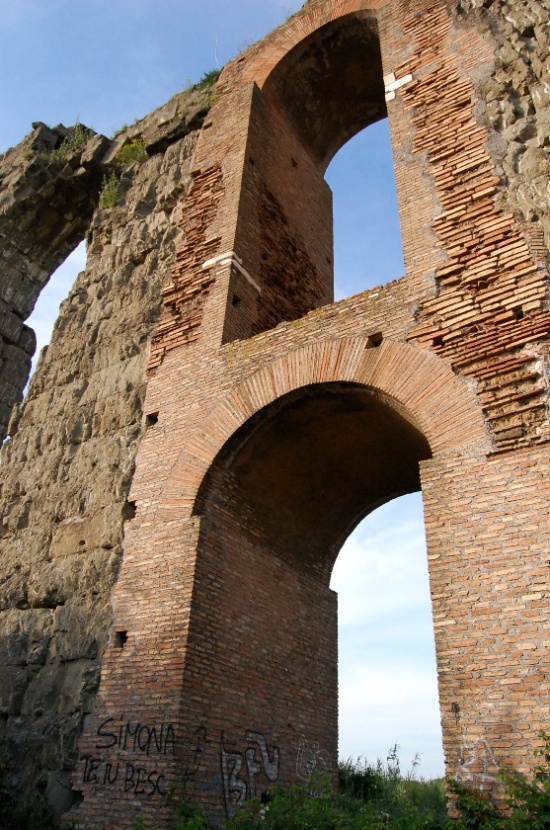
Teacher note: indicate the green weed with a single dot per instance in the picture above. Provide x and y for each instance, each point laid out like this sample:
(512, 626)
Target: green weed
(17, 815)
(77, 138)
(130, 153)
(208, 79)
(110, 192)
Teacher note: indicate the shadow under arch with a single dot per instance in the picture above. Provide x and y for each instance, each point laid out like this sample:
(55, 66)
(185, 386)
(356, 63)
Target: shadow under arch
(330, 83)
(440, 404)
(307, 468)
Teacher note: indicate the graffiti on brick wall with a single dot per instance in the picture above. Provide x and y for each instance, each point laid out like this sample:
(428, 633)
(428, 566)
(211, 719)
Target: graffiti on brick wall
(136, 737)
(131, 777)
(153, 745)
(477, 764)
(311, 761)
(241, 769)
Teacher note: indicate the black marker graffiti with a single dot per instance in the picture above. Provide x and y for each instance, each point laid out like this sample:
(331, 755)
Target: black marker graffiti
(126, 735)
(237, 789)
(139, 780)
(116, 736)
(197, 748)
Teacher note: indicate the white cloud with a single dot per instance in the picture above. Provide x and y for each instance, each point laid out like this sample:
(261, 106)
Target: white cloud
(387, 675)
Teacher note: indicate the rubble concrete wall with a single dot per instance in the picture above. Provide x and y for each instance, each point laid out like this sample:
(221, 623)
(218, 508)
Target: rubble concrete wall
(50, 185)
(68, 463)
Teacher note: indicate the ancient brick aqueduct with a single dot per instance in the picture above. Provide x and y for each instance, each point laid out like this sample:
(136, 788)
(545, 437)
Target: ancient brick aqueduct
(207, 426)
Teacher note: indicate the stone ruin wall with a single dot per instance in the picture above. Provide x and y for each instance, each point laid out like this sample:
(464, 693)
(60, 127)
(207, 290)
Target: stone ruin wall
(68, 465)
(45, 210)
(517, 100)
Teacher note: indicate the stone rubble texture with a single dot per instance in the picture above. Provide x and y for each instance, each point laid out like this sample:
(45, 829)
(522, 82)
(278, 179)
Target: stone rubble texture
(45, 209)
(68, 465)
(517, 98)
(204, 407)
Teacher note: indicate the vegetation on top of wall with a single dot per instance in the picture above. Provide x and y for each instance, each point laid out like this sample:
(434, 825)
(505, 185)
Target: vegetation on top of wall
(132, 152)
(208, 79)
(76, 139)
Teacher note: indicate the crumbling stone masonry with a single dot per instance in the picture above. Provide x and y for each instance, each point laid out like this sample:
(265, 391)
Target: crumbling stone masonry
(68, 465)
(205, 408)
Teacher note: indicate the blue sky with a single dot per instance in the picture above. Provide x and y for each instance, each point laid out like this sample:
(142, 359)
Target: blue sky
(107, 62)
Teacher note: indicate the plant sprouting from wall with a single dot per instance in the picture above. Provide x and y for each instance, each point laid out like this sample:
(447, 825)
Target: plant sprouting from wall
(110, 192)
(133, 151)
(77, 137)
(208, 79)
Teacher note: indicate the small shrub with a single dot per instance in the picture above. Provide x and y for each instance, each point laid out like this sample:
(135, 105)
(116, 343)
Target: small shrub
(208, 79)
(110, 192)
(190, 817)
(130, 153)
(18, 815)
(475, 809)
(359, 779)
(529, 801)
(292, 809)
(77, 138)
(242, 47)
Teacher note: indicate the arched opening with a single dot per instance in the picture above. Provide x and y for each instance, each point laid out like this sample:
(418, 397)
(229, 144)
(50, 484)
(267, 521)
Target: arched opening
(331, 87)
(276, 506)
(368, 249)
(311, 465)
(46, 310)
(322, 92)
(386, 652)
(331, 84)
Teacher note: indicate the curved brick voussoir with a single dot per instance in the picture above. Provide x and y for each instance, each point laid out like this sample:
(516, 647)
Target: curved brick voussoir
(416, 383)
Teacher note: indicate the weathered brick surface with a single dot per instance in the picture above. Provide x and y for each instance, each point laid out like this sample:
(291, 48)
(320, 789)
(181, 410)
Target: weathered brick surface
(275, 420)
(487, 532)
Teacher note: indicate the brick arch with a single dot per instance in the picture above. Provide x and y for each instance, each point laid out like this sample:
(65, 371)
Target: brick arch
(323, 69)
(418, 384)
(305, 22)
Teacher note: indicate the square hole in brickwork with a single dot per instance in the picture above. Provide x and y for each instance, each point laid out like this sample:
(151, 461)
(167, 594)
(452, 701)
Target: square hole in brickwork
(120, 639)
(374, 340)
(129, 511)
(151, 419)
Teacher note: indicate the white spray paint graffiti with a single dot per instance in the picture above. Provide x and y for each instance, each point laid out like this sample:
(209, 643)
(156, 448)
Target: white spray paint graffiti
(311, 760)
(477, 764)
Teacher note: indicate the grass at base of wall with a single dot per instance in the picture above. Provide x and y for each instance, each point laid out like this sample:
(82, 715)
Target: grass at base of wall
(369, 797)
